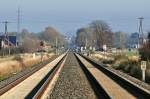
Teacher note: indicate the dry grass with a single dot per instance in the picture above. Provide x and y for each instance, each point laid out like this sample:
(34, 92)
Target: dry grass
(14, 65)
(134, 58)
(102, 56)
(9, 67)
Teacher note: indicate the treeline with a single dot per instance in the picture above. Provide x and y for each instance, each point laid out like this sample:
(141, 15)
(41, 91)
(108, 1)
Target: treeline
(144, 51)
(96, 34)
(30, 42)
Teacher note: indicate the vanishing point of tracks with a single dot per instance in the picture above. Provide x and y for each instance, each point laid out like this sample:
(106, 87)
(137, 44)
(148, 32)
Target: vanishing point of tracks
(73, 76)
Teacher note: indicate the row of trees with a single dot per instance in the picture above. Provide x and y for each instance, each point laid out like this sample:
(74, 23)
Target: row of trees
(30, 42)
(97, 34)
(50, 35)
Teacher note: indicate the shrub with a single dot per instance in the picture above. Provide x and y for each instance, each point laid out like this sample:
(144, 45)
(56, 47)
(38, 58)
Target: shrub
(144, 53)
(120, 56)
(107, 61)
(115, 66)
(127, 68)
(1, 77)
(123, 65)
(135, 71)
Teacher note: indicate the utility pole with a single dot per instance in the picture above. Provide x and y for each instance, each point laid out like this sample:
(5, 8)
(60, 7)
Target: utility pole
(6, 36)
(56, 46)
(6, 24)
(6, 31)
(86, 43)
(18, 22)
(141, 34)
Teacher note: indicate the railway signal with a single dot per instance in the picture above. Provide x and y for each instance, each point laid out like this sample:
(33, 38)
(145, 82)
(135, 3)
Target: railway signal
(105, 48)
(143, 68)
(42, 46)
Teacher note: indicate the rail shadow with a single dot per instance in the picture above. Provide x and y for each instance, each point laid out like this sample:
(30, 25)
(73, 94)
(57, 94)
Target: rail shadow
(98, 89)
(139, 93)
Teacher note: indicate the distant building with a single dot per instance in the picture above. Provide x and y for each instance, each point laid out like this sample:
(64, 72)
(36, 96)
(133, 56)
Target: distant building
(9, 41)
(119, 40)
(134, 40)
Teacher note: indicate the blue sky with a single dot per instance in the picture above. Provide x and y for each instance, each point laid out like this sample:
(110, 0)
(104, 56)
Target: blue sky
(69, 15)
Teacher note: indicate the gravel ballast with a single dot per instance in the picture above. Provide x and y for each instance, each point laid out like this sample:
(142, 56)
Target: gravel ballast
(72, 82)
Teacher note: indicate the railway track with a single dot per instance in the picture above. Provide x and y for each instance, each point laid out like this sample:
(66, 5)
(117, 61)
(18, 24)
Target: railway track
(102, 83)
(39, 90)
(114, 86)
(22, 87)
(22, 75)
(73, 76)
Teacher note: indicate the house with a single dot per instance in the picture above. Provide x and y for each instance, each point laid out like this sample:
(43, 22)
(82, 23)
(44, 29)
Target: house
(7, 41)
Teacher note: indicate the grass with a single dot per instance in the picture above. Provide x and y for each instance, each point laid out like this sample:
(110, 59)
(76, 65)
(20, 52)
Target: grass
(132, 53)
(127, 62)
(18, 63)
(2, 77)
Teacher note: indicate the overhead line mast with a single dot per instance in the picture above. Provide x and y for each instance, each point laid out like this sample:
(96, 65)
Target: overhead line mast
(18, 22)
(6, 29)
(141, 34)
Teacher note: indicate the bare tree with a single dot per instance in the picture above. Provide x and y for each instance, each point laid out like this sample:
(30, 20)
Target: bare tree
(148, 42)
(120, 40)
(50, 35)
(84, 37)
(30, 42)
(102, 33)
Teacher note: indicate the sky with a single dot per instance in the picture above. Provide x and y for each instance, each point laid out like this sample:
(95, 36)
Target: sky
(69, 15)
